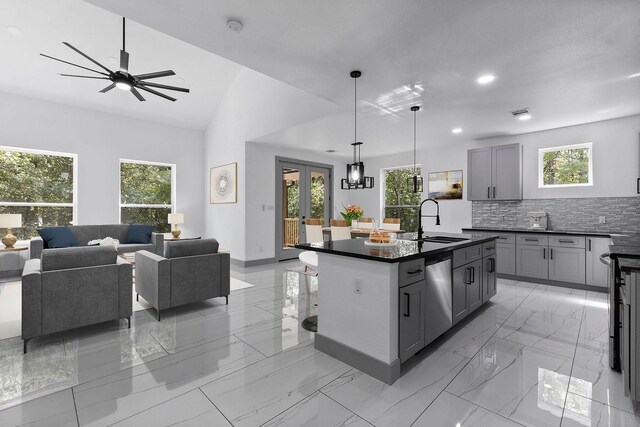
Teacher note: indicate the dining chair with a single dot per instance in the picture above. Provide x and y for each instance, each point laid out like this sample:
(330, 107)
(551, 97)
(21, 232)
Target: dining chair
(392, 224)
(365, 222)
(340, 229)
(313, 229)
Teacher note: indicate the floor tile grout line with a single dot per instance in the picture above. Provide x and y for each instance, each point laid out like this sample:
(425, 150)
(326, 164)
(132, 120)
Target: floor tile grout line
(243, 341)
(486, 409)
(297, 402)
(353, 412)
(75, 407)
(474, 355)
(215, 406)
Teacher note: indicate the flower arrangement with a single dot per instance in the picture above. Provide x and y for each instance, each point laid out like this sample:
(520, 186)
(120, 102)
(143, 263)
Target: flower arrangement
(351, 212)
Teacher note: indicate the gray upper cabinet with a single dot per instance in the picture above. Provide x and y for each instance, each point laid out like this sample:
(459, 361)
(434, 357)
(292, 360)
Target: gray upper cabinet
(597, 272)
(495, 173)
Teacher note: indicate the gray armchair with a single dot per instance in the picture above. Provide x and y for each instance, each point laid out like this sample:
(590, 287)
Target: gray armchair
(190, 271)
(73, 287)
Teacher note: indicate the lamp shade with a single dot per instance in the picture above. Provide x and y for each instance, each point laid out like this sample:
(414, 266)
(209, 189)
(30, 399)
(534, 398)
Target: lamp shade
(10, 220)
(176, 218)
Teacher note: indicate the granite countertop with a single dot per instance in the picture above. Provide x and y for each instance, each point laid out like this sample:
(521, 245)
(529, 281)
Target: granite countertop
(405, 250)
(629, 264)
(529, 230)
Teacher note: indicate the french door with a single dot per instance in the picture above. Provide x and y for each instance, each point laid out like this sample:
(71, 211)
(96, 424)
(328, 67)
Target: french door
(303, 190)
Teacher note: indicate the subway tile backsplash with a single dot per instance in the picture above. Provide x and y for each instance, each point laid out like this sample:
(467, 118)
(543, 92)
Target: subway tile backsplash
(621, 213)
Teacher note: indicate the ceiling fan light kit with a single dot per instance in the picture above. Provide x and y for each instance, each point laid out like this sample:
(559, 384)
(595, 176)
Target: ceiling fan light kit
(415, 181)
(355, 171)
(122, 79)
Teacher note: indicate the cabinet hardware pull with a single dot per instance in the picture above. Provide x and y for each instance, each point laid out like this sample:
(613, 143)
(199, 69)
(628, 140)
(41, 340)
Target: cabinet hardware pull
(492, 265)
(565, 241)
(415, 271)
(502, 238)
(530, 240)
(491, 248)
(488, 192)
(494, 192)
(638, 186)
(408, 313)
(544, 253)
(467, 270)
(551, 253)
(473, 275)
(589, 245)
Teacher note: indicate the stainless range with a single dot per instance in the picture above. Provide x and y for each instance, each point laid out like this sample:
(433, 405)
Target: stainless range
(613, 284)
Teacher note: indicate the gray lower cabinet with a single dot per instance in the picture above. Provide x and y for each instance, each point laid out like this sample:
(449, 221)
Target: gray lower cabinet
(506, 258)
(596, 272)
(566, 264)
(531, 261)
(412, 319)
(489, 277)
(459, 293)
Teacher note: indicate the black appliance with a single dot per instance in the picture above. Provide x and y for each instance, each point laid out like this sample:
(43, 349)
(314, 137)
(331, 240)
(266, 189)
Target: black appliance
(613, 283)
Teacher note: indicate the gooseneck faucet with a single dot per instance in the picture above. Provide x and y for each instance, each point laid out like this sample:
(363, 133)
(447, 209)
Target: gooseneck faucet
(420, 216)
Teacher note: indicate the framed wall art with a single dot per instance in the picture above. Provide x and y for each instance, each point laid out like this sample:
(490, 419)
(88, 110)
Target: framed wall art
(445, 185)
(224, 184)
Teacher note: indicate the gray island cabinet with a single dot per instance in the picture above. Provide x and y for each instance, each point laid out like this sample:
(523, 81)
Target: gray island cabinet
(378, 307)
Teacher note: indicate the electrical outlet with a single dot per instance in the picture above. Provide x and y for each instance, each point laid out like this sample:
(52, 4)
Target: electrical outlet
(602, 219)
(357, 286)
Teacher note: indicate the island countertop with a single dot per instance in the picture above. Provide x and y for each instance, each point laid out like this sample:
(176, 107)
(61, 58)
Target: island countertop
(405, 250)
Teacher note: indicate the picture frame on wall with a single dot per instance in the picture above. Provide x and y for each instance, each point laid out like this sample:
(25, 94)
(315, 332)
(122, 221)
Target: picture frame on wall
(445, 185)
(224, 184)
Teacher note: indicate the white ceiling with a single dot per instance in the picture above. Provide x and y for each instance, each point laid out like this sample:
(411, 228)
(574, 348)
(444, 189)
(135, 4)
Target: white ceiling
(98, 33)
(567, 60)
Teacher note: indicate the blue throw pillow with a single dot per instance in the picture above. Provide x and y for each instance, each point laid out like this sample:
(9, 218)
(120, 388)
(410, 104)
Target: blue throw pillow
(139, 233)
(57, 237)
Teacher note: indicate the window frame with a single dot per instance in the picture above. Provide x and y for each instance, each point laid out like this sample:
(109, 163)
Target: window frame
(74, 204)
(383, 187)
(141, 205)
(541, 153)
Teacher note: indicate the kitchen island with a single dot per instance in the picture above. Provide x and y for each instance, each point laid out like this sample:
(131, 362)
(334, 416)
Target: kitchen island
(378, 306)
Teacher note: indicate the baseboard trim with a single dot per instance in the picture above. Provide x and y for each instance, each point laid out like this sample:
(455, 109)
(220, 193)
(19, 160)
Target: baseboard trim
(554, 283)
(387, 373)
(253, 262)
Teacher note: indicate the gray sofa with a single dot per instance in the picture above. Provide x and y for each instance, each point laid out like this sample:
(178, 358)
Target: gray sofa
(72, 287)
(189, 271)
(86, 233)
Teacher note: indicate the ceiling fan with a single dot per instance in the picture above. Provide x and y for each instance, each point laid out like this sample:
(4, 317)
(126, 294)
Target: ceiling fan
(121, 78)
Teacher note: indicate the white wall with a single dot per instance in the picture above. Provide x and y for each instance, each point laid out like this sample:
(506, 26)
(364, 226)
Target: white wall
(100, 140)
(261, 191)
(616, 164)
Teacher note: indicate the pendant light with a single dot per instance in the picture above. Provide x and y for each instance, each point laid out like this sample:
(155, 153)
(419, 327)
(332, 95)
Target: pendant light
(415, 181)
(355, 171)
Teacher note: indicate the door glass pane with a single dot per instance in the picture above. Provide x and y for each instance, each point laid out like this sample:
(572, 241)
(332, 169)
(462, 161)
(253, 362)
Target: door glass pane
(291, 208)
(318, 181)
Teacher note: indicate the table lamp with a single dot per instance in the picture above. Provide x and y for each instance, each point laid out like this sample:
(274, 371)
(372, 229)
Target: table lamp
(175, 219)
(10, 221)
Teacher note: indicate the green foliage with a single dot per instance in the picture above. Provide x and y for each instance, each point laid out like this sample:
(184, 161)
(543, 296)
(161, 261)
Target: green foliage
(145, 184)
(292, 189)
(317, 196)
(399, 200)
(566, 167)
(292, 194)
(34, 217)
(152, 216)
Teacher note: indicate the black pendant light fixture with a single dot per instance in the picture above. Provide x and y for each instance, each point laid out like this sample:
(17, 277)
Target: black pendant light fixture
(415, 181)
(355, 171)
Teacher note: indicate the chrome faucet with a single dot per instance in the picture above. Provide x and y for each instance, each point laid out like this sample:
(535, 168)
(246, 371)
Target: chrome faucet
(420, 216)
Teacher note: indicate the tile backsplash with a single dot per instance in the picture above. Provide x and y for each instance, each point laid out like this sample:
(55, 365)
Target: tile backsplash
(621, 213)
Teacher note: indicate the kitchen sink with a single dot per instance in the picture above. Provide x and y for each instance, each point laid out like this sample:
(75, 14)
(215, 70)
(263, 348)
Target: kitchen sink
(440, 239)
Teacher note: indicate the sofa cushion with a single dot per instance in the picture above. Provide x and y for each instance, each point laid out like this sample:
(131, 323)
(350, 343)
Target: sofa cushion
(57, 237)
(179, 249)
(77, 257)
(85, 233)
(138, 233)
(117, 231)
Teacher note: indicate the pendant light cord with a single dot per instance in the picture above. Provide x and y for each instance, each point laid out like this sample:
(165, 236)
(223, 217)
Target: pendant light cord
(414, 142)
(355, 116)
(123, 34)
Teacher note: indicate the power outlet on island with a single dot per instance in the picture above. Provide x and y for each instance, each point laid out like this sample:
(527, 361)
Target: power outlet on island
(357, 286)
(602, 219)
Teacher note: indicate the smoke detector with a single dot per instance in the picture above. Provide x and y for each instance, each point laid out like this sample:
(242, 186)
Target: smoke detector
(234, 25)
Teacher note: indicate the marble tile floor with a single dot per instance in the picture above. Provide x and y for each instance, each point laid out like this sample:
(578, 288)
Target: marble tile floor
(535, 355)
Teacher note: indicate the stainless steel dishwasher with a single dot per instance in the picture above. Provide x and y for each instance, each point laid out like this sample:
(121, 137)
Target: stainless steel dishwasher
(438, 314)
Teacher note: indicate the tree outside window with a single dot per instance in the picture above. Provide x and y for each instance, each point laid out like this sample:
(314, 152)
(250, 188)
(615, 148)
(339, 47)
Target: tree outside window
(399, 200)
(39, 185)
(146, 194)
(570, 165)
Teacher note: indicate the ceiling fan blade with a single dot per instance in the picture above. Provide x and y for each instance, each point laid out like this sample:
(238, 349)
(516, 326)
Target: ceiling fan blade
(75, 65)
(124, 61)
(179, 89)
(84, 77)
(137, 94)
(155, 75)
(108, 88)
(155, 92)
(88, 57)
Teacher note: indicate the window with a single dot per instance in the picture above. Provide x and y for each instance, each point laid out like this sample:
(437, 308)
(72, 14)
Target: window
(399, 200)
(147, 193)
(570, 165)
(40, 185)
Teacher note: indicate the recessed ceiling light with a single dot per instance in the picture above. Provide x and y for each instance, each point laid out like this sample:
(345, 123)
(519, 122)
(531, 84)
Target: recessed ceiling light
(486, 79)
(523, 117)
(14, 31)
(331, 151)
(180, 80)
(633, 75)
(456, 130)
(112, 60)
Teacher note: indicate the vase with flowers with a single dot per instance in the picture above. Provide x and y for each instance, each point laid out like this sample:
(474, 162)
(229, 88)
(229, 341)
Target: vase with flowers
(351, 212)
